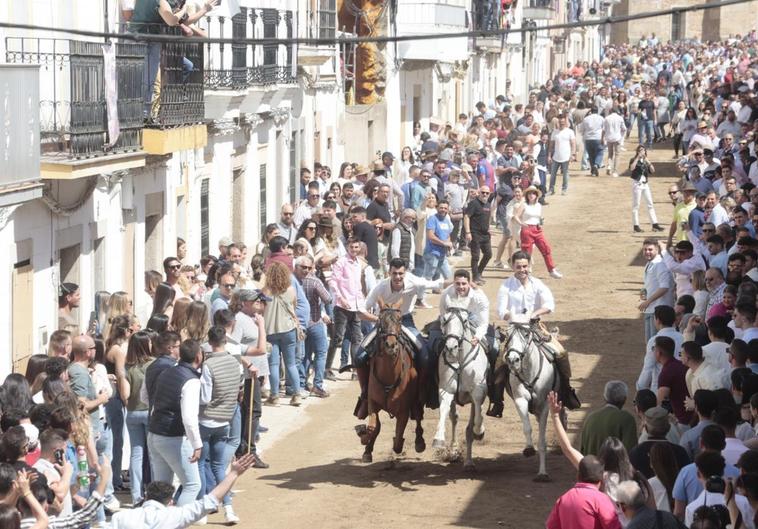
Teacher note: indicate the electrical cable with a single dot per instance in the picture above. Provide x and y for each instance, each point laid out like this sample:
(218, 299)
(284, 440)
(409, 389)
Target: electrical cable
(147, 37)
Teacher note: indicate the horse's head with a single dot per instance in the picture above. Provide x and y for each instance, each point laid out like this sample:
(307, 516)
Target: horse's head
(454, 324)
(515, 341)
(389, 327)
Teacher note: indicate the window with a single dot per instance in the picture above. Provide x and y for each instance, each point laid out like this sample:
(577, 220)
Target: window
(293, 169)
(270, 22)
(204, 238)
(239, 50)
(262, 205)
(677, 25)
(327, 18)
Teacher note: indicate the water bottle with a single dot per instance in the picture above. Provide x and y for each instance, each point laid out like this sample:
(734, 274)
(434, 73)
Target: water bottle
(82, 467)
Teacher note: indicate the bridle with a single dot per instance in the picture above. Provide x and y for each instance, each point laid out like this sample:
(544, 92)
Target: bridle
(523, 330)
(461, 315)
(394, 351)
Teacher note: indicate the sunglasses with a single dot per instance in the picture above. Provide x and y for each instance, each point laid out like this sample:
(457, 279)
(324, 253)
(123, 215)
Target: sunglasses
(672, 193)
(305, 267)
(287, 214)
(228, 285)
(311, 228)
(174, 267)
(312, 196)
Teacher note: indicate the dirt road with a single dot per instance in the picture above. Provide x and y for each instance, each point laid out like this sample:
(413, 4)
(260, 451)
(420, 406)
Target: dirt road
(316, 478)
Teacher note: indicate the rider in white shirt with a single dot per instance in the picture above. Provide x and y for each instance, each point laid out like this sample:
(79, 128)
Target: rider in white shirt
(463, 295)
(522, 299)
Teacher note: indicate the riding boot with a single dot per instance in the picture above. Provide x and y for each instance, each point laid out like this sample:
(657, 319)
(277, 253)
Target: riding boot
(567, 393)
(361, 407)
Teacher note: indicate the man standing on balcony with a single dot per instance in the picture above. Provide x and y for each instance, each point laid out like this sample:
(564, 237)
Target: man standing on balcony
(148, 17)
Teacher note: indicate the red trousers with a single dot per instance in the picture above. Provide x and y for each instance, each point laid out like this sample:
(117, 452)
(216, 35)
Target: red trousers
(532, 235)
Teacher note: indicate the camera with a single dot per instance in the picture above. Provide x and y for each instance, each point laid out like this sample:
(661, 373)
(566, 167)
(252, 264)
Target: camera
(715, 484)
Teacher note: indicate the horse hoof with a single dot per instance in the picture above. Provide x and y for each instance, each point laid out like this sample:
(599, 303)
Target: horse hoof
(397, 445)
(469, 468)
(529, 451)
(367, 457)
(479, 436)
(420, 446)
(438, 444)
(542, 478)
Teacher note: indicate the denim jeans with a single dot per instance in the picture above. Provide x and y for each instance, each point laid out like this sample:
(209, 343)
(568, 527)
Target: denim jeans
(215, 455)
(316, 344)
(434, 264)
(650, 329)
(564, 166)
(171, 455)
(104, 447)
(284, 344)
(136, 424)
(646, 128)
(152, 66)
(114, 413)
(595, 152)
(346, 326)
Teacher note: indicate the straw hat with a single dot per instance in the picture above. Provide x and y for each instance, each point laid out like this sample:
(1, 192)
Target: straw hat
(532, 189)
(360, 169)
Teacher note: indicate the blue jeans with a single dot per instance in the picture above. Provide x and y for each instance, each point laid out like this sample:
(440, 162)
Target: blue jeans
(434, 264)
(153, 64)
(136, 424)
(215, 455)
(169, 456)
(115, 413)
(300, 361)
(650, 329)
(104, 447)
(646, 127)
(316, 345)
(594, 151)
(284, 343)
(564, 166)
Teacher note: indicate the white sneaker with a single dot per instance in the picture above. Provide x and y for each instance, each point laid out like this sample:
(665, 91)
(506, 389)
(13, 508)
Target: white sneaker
(113, 505)
(202, 521)
(555, 274)
(229, 515)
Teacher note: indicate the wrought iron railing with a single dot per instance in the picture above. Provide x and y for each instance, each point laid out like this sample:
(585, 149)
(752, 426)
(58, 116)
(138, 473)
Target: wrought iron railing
(73, 110)
(244, 65)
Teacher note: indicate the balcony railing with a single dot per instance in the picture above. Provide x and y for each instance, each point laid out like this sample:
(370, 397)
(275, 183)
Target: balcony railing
(242, 66)
(72, 85)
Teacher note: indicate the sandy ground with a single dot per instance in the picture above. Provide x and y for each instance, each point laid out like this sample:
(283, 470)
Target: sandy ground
(316, 478)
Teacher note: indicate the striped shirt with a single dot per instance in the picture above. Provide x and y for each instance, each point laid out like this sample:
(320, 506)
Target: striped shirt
(317, 295)
(72, 521)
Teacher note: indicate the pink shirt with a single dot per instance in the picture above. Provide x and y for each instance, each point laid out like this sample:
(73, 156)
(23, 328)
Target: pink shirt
(583, 507)
(345, 284)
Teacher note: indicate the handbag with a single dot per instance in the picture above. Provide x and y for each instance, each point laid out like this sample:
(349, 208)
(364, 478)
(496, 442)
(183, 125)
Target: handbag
(298, 328)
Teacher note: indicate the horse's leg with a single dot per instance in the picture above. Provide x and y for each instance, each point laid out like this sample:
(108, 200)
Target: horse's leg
(446, 400)
(401, 421)
(372, 431)
(469, 461)
(419, 443)
(477, 401)
(542, 445)
(453, 420)
(522, 407)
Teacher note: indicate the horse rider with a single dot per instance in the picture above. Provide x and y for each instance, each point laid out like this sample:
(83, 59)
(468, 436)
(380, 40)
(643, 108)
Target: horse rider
(522, 299)
(399, 288)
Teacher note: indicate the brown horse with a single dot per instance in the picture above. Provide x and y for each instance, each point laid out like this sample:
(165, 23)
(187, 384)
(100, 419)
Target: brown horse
(392, 385)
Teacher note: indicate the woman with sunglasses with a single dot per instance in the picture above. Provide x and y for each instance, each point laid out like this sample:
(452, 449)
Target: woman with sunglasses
(307, 233)
(641, 169)
(529, 216)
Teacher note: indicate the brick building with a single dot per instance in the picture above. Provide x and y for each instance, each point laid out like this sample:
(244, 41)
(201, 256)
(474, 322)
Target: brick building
(711, 24)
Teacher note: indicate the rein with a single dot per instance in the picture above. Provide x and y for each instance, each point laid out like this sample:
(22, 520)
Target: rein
(401, 355)
(522, 329)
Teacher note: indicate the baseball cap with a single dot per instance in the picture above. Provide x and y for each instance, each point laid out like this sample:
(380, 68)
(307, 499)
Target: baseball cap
(247, 294)
(225, 241)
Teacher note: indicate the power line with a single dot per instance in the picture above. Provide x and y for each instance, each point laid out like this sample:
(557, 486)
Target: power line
(149, 37)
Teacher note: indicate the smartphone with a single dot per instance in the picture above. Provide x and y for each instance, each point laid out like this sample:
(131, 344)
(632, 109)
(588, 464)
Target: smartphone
(59, 456)
(92, 321)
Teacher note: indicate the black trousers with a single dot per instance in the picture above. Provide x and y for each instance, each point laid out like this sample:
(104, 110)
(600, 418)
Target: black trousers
(481, 244)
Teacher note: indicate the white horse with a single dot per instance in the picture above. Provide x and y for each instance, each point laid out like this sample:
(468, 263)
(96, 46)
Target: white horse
(462, 371)
(531, 376)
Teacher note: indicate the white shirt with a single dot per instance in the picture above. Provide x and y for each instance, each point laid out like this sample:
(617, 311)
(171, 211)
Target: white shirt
(658, 276)
(660, 494)
(46, 468)
(407, 296)
(716, 355)
(718, 215)
(519, 301)
(304, 212)
(734, 449)
(592, 127)
(614, 128)
(190, 404)
(706, 376)
(476, 303)
(714, 498)
(562, 140)
(683, 270)
(648, 378)
(154, 515)
(751, 333)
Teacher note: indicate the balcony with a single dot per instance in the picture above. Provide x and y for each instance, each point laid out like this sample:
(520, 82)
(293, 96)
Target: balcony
(428, 17)
(321, 23)
(540, 9)
(19, 134)
(79, 135)
(487, 15)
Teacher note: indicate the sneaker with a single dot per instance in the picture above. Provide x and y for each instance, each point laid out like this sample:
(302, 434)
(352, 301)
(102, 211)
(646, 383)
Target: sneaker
(458, 253)
(329, 375)
(262, 429)
(296, 400)
(564, 192)
(229, 515)
(479, 281)
(497, 264)
(272, 401)
(555, 274)
(320, 393)
(658, 227)
(423, 305)
(113, 505)
(259, 463)
(305, 393)
(202, 521)
(637, 229)
(551, 192)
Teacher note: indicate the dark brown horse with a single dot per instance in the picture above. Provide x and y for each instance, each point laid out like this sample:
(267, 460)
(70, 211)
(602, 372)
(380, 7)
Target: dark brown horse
(392, 385)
